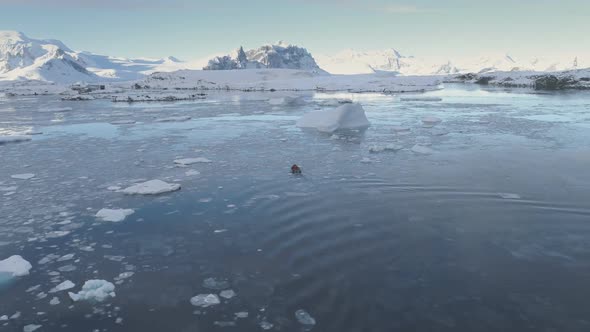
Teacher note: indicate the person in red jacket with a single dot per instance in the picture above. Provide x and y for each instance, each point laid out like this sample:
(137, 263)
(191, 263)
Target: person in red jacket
(295, 169)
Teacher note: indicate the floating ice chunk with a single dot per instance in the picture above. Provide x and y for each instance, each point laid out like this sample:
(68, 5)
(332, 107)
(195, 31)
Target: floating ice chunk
(422, 149)
(54, 301)
(227, 294)
(67, 268)
(265, 325)
(421, 98)
(15, 266)
(190, 161)
(192, 172)
(384, 148)
(14, 139)
(56, 109)
(212, 283)
(3, 318)
(94, 290)
(152, 187)
(205, 300)
(65, 257)
(174, 119)
(124, 275)
(114, 215)
(123, 122)
(304, 318)
(509, 196)
(62, 287)
(113, 188)
(56, 234)
(31, 327)
(431, 121)
(347, 116)
(366, 160)
(287, 101)
(241, 314)
(25, 176)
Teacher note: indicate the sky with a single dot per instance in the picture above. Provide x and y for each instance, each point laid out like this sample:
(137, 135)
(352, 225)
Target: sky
(195, 29)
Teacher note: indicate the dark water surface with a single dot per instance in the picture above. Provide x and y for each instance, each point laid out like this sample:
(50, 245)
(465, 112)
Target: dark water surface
(490, 232)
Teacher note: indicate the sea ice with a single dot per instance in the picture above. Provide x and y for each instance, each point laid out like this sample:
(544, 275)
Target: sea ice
(56, 109)
(509, 196)
(347, 116)
(227, 294)
(152, 187)
(205, 300)
(14, 139)
(190, 161)
(114, 215)
(192, 172)
(212, 283)
(63, 286)
(54, 301)
(174, 119)
(94, 290)
(421, 99)
(304, 318)
(421, 149)
(31, 328)
(15, 266)
(25, 176)
(383, 148)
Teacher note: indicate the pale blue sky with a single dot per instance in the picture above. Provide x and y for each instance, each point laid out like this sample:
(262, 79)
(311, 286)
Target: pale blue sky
(193, 29)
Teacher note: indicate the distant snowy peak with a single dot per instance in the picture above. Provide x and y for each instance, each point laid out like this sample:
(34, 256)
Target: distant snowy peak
(24, 58)
(392, 60)
(280, 55)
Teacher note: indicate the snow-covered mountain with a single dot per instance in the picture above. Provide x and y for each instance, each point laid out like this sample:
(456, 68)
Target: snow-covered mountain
(24, 58)
(280, 55)
(391, 60)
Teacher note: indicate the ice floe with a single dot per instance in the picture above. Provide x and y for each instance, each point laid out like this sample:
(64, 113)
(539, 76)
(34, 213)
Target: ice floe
(114, 215)
(205, 300)
(304, 318)
(212, 283)
(56, 109)
(94, 290)
(191, 161)
(54, 301)
(345, 117)
(15, 266)
(31, 327)
(62, 287)
(227, 294)
(152, 187)
(174, 119)
(24, 176)
(384, 148)
(431, 99)
(422, 149)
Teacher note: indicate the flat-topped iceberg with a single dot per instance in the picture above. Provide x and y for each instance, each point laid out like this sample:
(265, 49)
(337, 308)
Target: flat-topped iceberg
(15, 266)
(346, 117)
(152, 187)
(94, 290)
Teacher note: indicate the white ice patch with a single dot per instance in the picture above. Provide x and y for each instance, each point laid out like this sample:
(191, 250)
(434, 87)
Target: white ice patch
(152, 187)
(62, 287)
(304, 318)
(431, 99)
(174, 119)
(54, 301)
(509, 196)
(25, 176)
(191, 161)
(421, 149)
(14, 139)
(384, 148)
(345, 117)
(31, 327)
(15, 266)
(192, 172)
(114, 215)
(227, 294)
(94, 290)
(205, 300)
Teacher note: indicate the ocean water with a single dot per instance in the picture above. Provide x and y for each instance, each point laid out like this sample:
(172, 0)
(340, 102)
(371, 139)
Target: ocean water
(488, 231)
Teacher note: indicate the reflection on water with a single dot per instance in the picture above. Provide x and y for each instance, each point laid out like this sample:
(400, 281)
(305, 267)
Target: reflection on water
(487, 233)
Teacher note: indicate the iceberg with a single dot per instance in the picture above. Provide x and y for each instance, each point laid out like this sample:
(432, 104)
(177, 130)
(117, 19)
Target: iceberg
(152, 187)
(94, 290)
(15, 266)
(63, 286)
(205, 300)
(14, 139)
(345, 117)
